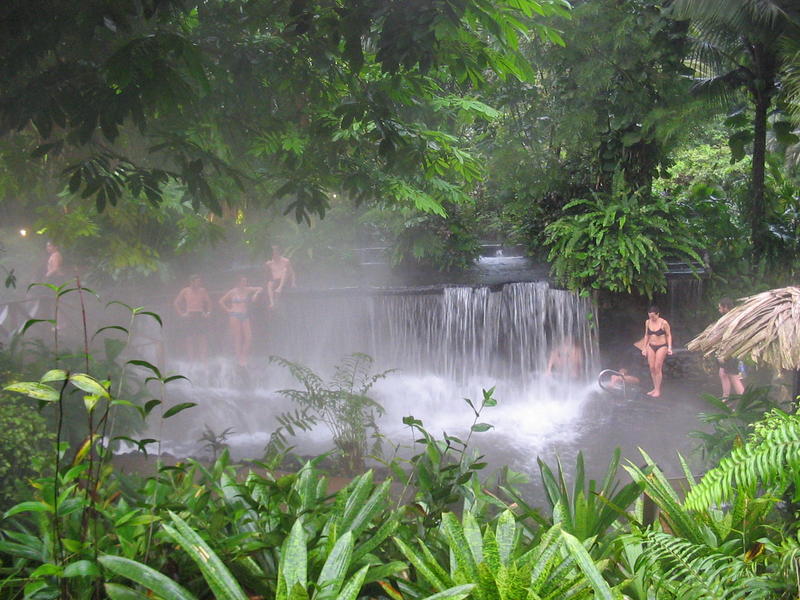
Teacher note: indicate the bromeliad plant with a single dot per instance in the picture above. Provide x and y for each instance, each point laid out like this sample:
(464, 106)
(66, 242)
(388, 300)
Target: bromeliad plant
(500, 562)
(584, 510)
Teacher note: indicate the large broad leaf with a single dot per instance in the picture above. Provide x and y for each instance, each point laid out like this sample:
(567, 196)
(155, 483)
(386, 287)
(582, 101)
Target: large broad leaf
(587, 565)
(294, 559)
(353, 586)
(335, 568)
(460, 548)
(54, 375)
(219, 578)
(88, 384)
(147, 577)
(506, 535)
(427, 569)
(32, 389)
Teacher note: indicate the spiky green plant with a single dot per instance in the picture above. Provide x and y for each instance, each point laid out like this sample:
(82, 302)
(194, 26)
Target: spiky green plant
(500, 562)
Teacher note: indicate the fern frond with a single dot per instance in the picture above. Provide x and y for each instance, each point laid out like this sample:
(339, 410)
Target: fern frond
(688, 570)
(765, 462)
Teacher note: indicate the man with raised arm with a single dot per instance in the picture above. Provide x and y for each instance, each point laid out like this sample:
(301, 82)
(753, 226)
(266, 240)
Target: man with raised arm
(280, 271)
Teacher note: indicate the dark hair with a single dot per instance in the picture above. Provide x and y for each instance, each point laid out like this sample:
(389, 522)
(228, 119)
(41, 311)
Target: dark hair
(654, 309)
(726, 302)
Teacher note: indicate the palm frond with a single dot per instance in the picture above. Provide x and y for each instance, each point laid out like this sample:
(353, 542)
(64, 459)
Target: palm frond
(733, 13)
(765, 328)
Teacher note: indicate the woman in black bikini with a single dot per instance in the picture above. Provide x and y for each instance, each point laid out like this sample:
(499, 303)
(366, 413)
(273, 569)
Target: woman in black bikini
(236, 303)
(657, 345)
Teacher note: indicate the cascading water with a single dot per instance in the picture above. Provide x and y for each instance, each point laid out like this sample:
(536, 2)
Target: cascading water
(443, 344)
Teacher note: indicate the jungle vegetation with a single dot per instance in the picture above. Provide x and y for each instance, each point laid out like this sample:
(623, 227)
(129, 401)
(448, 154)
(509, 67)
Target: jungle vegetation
(142, 132)
(153, 131)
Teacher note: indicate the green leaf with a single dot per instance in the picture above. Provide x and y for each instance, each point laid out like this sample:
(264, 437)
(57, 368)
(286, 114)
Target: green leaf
(146, 365)
(151, 314)
(426, 570)
(81, 568)
(217, 576)
(107, 327)
(293, 564)
(146, 577)
(31, 322)
(88, 384)
(45, 570)
(505, 533)
(117, 591)
(460, 547)
(335, 568)
(453, 593)
(587, 565)
(35, 390)
(480, 427)
(178, 408)
(54, 375)
(353, 586)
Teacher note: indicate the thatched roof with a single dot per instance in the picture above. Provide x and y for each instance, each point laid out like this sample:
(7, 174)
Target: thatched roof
(764, 328)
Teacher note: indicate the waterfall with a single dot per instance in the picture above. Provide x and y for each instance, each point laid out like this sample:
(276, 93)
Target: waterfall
(507, 333)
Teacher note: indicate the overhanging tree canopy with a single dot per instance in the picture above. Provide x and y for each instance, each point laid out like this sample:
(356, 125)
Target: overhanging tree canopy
(306, 94)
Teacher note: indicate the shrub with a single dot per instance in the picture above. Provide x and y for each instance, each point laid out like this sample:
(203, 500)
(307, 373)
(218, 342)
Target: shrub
(23, 447)
(619, 241)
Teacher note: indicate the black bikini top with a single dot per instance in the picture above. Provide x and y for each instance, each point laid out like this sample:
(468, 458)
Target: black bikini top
(656, 332)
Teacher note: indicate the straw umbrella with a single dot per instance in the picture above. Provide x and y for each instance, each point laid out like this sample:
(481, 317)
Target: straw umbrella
(765, 328)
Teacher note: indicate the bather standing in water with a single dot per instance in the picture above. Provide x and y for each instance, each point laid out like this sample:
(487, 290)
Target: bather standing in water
(657, 345)
(55, 262)
(566, 358)
(281, 272)
(729, 375)
(236, 303)
(193, 305)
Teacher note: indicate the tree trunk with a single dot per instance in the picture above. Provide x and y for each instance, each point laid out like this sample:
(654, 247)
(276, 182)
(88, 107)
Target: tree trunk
(758, 213)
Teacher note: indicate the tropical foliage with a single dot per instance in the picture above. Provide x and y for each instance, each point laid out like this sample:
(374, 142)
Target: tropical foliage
(618, 241)
(432, 529)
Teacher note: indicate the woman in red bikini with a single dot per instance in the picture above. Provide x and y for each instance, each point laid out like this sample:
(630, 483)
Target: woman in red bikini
(657, 345)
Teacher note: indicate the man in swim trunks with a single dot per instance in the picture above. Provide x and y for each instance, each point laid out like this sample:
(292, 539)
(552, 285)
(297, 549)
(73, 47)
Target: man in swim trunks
(280, 271)
(194, 307)
(729, 375)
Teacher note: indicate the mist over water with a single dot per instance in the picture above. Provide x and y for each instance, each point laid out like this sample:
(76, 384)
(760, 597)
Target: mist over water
(443, 345)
